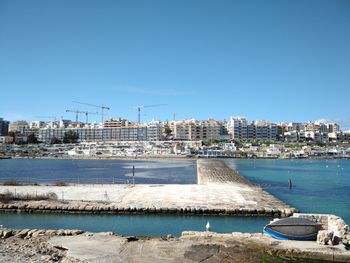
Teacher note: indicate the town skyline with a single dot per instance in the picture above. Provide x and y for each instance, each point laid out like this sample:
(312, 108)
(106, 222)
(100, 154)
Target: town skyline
(82, 119)
(204, 60)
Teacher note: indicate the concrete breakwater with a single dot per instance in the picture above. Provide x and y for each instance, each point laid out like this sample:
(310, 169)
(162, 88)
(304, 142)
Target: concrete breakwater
(220, 190)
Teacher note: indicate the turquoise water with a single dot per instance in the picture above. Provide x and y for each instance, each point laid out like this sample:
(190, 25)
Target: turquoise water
(319, 186)
(137, 225)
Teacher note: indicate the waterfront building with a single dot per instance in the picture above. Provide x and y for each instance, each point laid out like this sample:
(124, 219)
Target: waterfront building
(345, 136)
(333, 127)
(117, 123)
(19, 127)
(311, 127)
(295, 126)
(4, 127)
(6, 139)
(290, 136)
(155, 130)
(37, 124)
(98, 134)
(224, 135)
(242, 129)
(195, 130)
(238, 128)
(265, 130)
(316, 136)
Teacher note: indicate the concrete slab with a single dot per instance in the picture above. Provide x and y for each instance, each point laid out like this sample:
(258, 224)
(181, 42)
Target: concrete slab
(219, 188)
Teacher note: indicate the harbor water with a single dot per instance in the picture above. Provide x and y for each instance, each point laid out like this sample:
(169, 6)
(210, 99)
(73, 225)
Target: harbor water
(134, 225)
(99, 171)
(319, 186)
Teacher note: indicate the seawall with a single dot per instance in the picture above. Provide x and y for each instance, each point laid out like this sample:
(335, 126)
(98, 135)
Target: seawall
(220, 190)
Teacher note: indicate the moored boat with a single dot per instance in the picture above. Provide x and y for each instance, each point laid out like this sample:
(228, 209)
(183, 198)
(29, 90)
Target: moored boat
(293, 228)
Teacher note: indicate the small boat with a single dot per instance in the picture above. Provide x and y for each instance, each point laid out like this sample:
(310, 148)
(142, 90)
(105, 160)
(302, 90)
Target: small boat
(293, 228)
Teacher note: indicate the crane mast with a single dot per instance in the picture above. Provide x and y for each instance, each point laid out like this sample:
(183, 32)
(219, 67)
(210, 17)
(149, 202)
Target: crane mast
(139, 107)
(102, 107)
(77, 112)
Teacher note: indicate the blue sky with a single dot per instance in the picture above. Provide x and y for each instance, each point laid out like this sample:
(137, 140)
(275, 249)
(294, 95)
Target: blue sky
(274, 59)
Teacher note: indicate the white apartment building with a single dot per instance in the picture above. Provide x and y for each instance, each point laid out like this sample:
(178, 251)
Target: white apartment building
(96, 134)
(155, 130)
(242, 129)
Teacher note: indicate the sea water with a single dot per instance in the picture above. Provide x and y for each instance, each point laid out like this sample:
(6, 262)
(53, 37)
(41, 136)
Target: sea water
(319, 186)
(41, 171)
(135, 225)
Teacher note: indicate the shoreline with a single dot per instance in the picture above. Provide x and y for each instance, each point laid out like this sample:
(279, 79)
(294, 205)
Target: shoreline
(29, 245)
(162, 157)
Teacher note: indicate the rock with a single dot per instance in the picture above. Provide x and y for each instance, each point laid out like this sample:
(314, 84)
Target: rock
(50, 232)
(131, 238)
(67, 232)
(325, 237)
(6, 234)
(30, 233)
(77, 232)
(60, 232)
(338, 226)
(22, 233)
(38, 233)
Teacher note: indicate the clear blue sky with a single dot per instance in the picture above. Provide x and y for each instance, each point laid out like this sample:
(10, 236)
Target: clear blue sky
(274, 59)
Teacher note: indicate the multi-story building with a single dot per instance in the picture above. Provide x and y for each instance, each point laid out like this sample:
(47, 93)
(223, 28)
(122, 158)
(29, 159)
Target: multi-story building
(96, 134)
(238, 128)
(313, 127)
(4, 127)
(195, 130)
(265, 130)
(19, 127)
(117, 123)
(295, 126)
(333, 127)
(155, 130)
(242, 129)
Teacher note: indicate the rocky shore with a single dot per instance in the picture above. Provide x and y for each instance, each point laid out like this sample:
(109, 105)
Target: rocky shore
(73, 246)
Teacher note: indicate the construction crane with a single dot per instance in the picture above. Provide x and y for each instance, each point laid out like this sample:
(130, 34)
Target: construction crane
(77, 112)
(102, 107)
(139, 107)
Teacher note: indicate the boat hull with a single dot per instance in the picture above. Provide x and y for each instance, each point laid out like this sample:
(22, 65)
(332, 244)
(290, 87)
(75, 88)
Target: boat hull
(281, 236)
(293, 229)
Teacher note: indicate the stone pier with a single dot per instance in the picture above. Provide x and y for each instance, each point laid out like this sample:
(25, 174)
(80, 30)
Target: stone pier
(220, 190)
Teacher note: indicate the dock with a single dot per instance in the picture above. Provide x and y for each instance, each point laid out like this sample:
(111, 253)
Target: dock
(220, 190)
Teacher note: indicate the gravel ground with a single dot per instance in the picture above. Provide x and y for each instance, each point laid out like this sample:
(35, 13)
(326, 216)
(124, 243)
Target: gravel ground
(191, 247)
(19, 250)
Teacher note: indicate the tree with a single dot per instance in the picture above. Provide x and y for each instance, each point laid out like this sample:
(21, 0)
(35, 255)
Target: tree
(13, 135)
(167, 131)
(70, 137)
(55, 140)
(31, 138)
